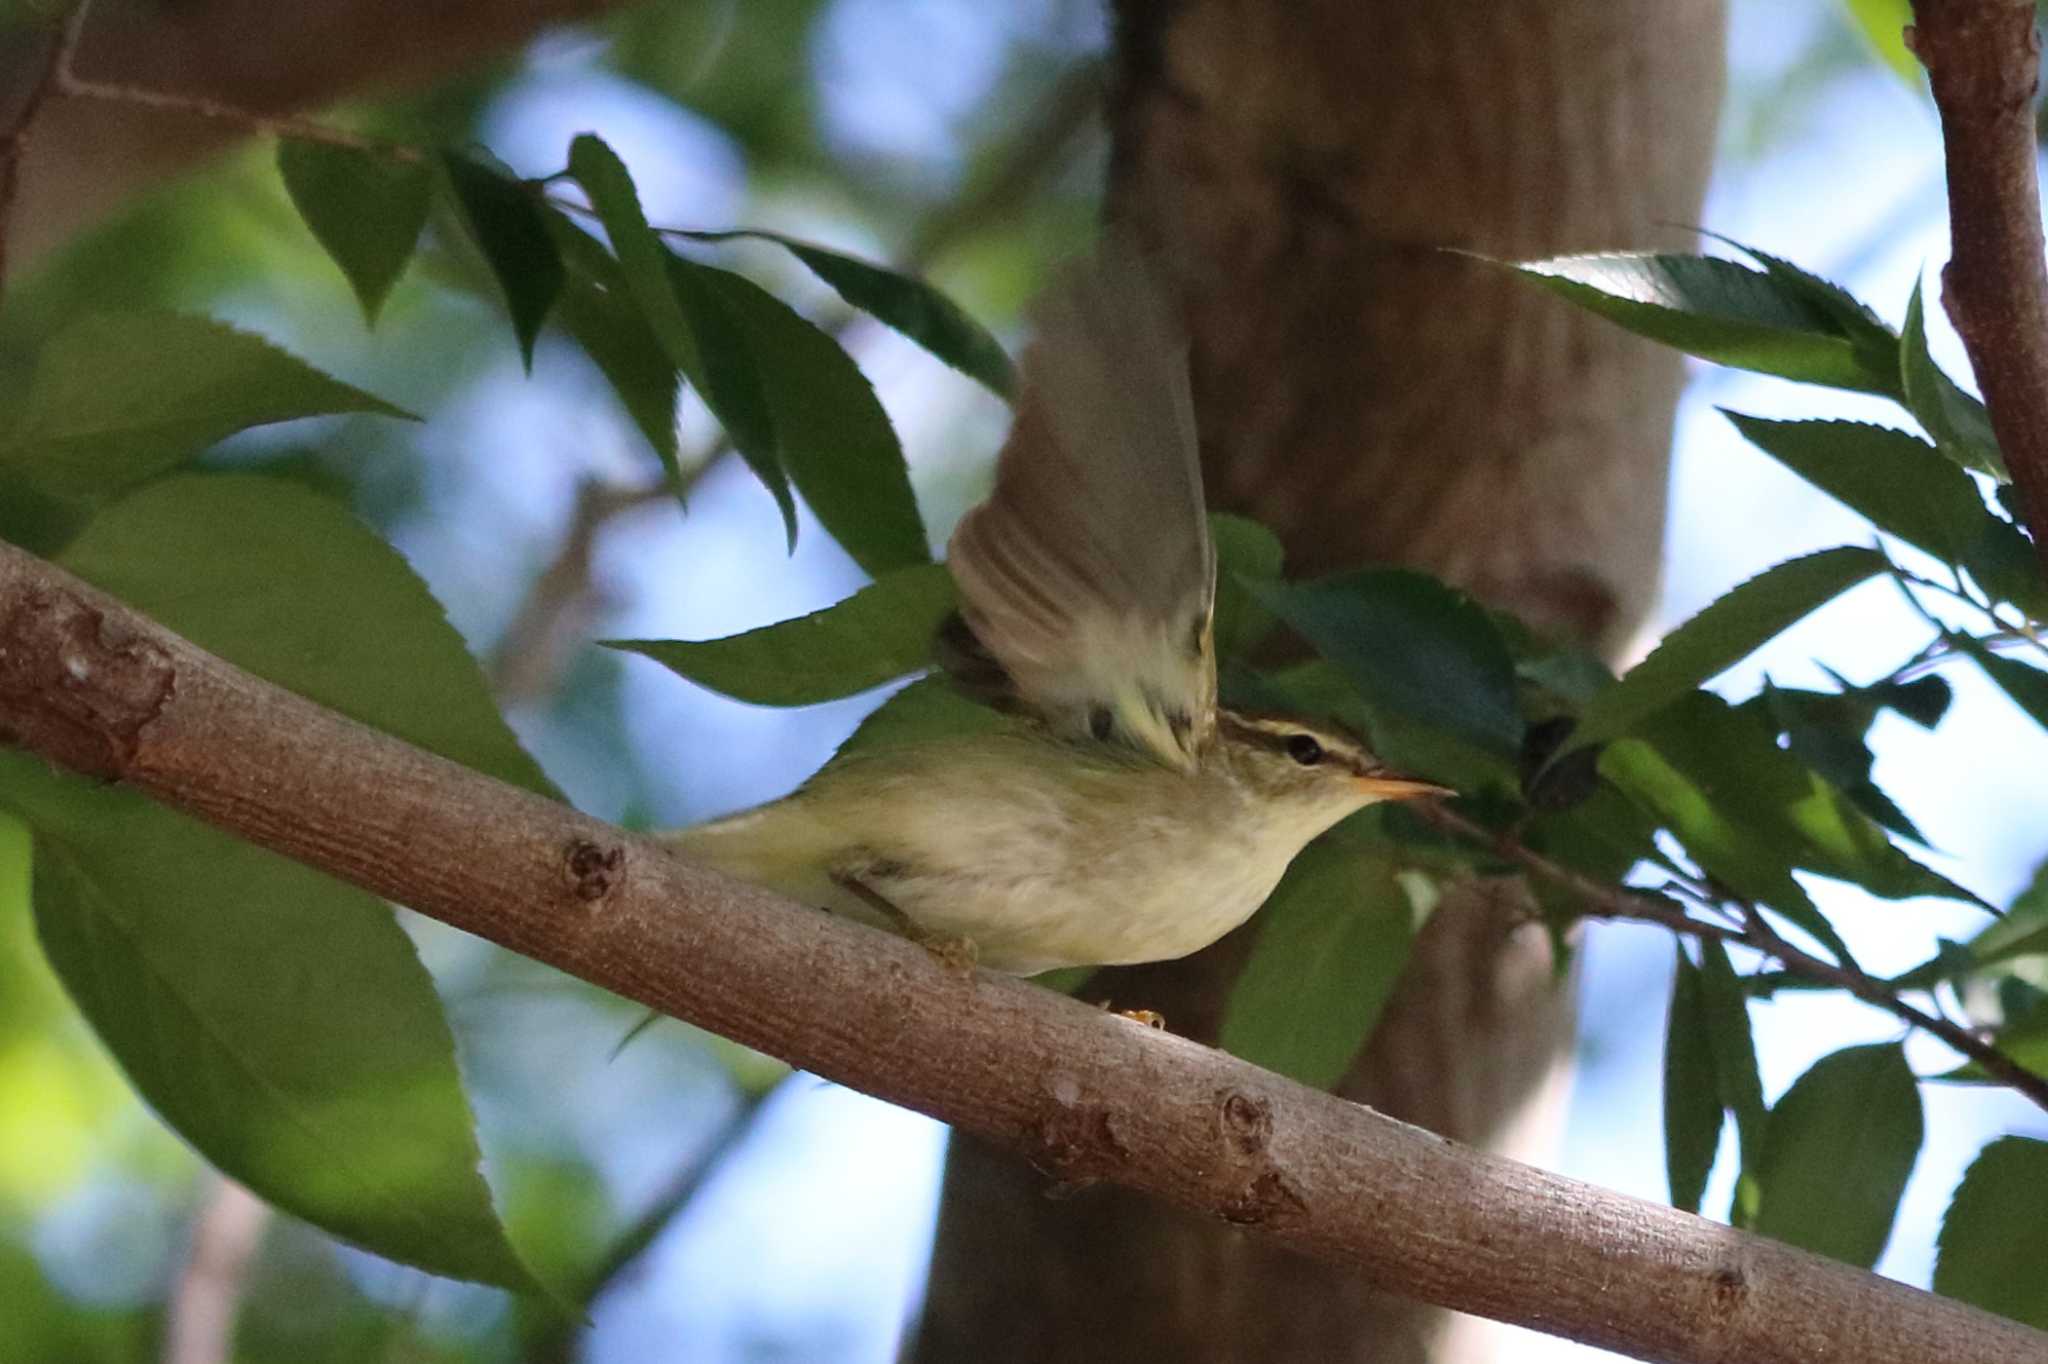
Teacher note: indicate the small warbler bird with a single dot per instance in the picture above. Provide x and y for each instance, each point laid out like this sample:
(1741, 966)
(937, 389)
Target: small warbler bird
(1126, 818)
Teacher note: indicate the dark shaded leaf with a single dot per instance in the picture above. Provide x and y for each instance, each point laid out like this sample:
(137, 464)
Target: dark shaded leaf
(365, 210)
(1994, 1238)
(2024, 1040)
(1725, 1010)
(279, 1021)
(1837, 1151)
(120, 398)
(1413, 648)
(1902, 485)
(595, 310)
(2025, 684)
(1332, 939)
(1728, 630)
(505, 219)
(1721, 311)
(730, 379)
(1692, 1095)
(878, 634)
(831, 435)
(1244, 550)
(1957, 422)
(905, 303)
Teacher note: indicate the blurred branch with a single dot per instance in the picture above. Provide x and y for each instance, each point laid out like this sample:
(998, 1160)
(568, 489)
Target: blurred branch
(1605, 901)
(199, 1318)
(1083, 1095)
(14, 143)
(1983, 62)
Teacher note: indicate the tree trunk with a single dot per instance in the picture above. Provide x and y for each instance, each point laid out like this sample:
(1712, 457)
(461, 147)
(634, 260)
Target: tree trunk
(1375, 399)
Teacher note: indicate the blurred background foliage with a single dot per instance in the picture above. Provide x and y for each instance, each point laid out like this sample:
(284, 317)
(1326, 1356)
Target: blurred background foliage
(733, 1212)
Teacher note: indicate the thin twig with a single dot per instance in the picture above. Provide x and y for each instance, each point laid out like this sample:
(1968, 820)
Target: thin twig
(1607, 901)
(14, 144)
(1983, 62)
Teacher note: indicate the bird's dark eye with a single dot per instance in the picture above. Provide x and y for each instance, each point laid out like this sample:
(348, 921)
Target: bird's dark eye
(1304, 749)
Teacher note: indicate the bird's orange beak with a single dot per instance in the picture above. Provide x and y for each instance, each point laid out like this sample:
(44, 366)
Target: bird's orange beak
(1387, 786)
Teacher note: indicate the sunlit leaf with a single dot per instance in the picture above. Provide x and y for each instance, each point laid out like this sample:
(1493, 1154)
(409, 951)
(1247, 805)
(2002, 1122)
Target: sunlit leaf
(279, 1021)
(120, 398)
(1838, 1148)
(1723, 634)
(364, 209)
(1692, 1097)
(1722, 311)
(1957, 422)
(1332, 940)
(1883, 23)
(878, 634)
(303, 595)
(1994, 1238)
(831, 434)
(505, 218)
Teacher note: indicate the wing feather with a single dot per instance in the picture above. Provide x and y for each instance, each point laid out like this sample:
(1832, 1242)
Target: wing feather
(1088, 574)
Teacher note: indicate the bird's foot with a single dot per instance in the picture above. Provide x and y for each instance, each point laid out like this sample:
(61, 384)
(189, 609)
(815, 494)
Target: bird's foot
(1144, 1016)
(956, 952)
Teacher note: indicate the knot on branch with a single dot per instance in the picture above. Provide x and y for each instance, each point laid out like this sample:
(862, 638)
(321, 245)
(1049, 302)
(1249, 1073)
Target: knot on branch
(76, 687)
(592, 869)
(1247, 1122)
(1270, 1197)
(1078, 1145)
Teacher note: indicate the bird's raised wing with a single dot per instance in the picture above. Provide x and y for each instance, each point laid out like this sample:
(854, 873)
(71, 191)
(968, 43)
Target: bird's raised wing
(1087, 579)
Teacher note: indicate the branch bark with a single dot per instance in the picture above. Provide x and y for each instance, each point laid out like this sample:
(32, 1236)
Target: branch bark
(1983, 61)
(1080, 1093)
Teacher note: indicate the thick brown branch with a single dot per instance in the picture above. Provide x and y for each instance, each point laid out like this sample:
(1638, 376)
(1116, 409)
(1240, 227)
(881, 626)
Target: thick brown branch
(1982, 58)
(1083, 1095)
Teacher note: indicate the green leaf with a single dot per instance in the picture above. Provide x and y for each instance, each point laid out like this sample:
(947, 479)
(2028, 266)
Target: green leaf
(1837, 1151)
(1958, 423)
(2027, 686)
(1412, 647)
(876, 635)
(728, 376)
(831, 434)
(303, 595)
(1826, 731)
(120, 398)
(643, 260)
(1332, 940)
(505, 218)
(1692, 1096)
(1722, 311)
(1245, 551)
(1723, 634)
(929, 708)
(595, 310)
(1725, 1012)
(279, 1021)
(1893, 478)
(1994, 1239)
(1899, 482)
(365, 210)
(903, 302)
(1883, 23)
(1752, 812)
